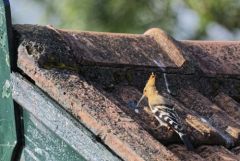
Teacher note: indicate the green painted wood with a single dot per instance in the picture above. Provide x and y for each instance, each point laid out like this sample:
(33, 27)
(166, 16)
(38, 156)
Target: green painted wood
(7, 121)
(51, 133)
(43, 144)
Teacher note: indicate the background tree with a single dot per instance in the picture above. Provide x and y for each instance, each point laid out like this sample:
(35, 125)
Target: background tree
(186, 19)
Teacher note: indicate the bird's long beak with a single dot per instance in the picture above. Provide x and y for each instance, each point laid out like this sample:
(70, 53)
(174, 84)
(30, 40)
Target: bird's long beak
(143, 96)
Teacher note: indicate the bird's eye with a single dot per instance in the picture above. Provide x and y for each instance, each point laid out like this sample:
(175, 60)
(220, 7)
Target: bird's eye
(145, 90)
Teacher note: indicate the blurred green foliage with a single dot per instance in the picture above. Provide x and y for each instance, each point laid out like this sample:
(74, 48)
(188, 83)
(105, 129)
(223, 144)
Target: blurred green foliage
(224, 12)
(136, 16)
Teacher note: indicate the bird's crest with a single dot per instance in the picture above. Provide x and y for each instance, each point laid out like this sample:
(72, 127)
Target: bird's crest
(151, 81)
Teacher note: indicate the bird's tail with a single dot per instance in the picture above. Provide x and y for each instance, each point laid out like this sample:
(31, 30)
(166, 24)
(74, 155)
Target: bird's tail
(186, 141)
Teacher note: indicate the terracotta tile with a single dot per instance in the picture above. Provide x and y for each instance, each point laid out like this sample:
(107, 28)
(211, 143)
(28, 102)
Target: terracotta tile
(211, 113)
(236, 151)
(117, 49)
(54, 58)
(229, 105)
(168, 44)
(214, 57)
(184, 154)
(216, 153)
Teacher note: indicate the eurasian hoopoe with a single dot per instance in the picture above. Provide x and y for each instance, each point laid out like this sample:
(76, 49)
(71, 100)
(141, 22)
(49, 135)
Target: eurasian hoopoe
(163, 110)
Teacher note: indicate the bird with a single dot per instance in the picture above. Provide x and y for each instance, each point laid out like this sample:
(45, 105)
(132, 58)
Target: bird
(163, 110)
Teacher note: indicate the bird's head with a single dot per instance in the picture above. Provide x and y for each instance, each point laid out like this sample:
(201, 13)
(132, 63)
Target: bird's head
(149, 89)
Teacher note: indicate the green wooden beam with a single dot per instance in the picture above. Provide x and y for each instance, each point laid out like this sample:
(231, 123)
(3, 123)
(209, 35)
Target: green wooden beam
(8, 137)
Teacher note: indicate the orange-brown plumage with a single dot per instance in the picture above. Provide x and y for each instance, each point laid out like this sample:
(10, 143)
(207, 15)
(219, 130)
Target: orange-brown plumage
(163, 109)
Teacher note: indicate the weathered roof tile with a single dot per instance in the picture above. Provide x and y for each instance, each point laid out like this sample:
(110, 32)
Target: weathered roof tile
(82, 72)
(168, 44)
(96, 111)
(229, 105)
(217, 153)
(236, 151)
(214, 57)
(211, 113)
(119, 49)
(184, 154)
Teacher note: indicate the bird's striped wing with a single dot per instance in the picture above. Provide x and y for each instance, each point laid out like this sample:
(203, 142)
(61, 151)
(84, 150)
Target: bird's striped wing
(167, 115)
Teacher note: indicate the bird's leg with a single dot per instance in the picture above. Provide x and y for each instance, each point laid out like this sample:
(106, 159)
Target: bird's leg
(155, 128)
(168, 127)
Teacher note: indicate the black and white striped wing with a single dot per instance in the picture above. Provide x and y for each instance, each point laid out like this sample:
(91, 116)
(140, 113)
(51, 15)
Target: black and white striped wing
(166, 114)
